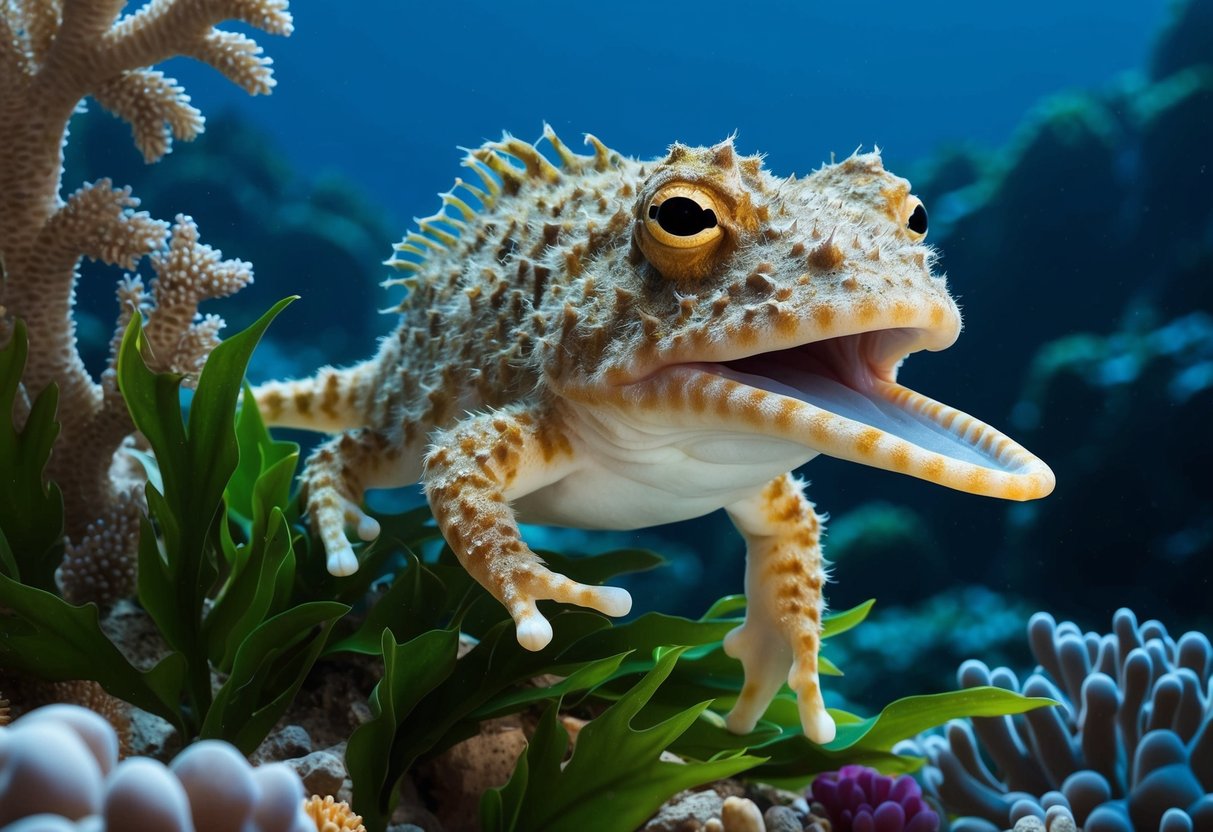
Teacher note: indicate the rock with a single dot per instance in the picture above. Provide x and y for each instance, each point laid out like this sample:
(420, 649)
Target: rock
(686, 812)
(287, 743)
(740, 814)
(782, 819)
(456, 779)
(322, 772)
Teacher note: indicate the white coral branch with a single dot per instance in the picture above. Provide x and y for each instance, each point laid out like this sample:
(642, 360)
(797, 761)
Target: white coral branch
(132, 300)
(14, 52)
(87, 21)
(187, 274)
(196, 345)
(100, 564)
(239, 58)
(172, 27)
(156, 108)
(90, 53)
(40, 20)
(98, 221)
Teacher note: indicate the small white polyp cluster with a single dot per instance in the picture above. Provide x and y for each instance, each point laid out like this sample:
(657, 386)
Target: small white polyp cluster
(59, 772)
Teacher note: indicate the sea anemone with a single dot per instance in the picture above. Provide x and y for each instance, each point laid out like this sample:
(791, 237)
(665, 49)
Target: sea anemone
(1128, 747)
(864, 800)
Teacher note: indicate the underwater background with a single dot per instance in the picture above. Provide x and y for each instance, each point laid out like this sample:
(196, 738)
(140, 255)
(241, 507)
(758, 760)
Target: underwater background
(1063, 150)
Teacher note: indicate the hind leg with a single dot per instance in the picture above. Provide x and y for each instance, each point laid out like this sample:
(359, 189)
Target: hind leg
(782, 631)
(334, 480)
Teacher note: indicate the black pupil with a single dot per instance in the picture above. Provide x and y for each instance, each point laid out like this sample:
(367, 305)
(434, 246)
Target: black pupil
(918, 220)
(682, 216)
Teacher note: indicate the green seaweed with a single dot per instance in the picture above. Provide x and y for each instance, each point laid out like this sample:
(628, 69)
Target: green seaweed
(612, 757)
(31, 511)
(428, 701)
(220, 605)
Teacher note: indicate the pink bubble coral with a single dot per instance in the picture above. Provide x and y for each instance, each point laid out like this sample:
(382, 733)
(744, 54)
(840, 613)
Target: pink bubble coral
(861, 799)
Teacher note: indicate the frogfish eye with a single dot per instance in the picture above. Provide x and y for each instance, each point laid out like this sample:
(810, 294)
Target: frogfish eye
(680, 230)
(918, 220)
(682, 216)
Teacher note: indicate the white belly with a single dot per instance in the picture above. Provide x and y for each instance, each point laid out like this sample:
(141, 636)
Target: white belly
(629, 476)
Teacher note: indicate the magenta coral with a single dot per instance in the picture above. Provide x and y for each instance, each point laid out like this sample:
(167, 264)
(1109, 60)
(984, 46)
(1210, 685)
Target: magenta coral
(861, 799)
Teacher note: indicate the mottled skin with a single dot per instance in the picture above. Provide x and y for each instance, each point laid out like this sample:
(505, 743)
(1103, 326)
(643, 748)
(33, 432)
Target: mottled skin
(582, 344)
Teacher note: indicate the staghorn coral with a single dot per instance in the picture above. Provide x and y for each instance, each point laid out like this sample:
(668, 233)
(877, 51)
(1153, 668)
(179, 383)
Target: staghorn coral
(1129, 747)
(53, 54)
(59, 764)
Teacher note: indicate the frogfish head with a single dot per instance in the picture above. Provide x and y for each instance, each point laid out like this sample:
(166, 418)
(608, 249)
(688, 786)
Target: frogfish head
(782, 306)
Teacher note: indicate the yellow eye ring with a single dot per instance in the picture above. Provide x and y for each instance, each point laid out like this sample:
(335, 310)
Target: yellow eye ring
(681, 228)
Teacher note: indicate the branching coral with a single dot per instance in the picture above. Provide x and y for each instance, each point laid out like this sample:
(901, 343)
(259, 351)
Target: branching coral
(53, 54)
(1129, 747)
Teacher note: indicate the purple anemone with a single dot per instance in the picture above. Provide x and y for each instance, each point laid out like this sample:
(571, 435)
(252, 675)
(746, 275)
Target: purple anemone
(861, 799)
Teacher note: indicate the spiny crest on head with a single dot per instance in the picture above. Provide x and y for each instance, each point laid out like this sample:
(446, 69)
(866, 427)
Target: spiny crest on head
(736, 179)
(504, 168)
(721, 157)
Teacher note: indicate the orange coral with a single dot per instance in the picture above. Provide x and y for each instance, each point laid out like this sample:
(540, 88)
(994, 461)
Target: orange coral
(91, 695)
(332, 815)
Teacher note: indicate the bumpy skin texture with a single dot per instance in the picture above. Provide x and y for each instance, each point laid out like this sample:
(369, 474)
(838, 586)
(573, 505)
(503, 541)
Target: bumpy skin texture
(604, 342)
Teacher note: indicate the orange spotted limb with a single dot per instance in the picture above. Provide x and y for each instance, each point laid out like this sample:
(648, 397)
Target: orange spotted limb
(471, 473)
(334, 479)
(782, 631)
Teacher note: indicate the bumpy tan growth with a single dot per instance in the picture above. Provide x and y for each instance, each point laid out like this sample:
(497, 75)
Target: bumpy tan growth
(611, 343)
(53, 54)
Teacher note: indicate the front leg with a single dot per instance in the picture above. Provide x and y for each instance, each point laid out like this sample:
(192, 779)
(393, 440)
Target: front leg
(471, 473)
(782, 631)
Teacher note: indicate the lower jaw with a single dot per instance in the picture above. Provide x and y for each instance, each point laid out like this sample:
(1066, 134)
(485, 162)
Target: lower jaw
(904, 431)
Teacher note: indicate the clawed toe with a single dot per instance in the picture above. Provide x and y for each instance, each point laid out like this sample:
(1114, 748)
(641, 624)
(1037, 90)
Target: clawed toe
(817, 724)
(365, 526)
(534, 632)
(332, 514)
(342, 561)
(608, 600)
(536, 583)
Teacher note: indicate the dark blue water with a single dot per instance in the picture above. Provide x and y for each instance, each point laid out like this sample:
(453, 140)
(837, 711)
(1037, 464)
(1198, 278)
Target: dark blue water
(383, 91)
